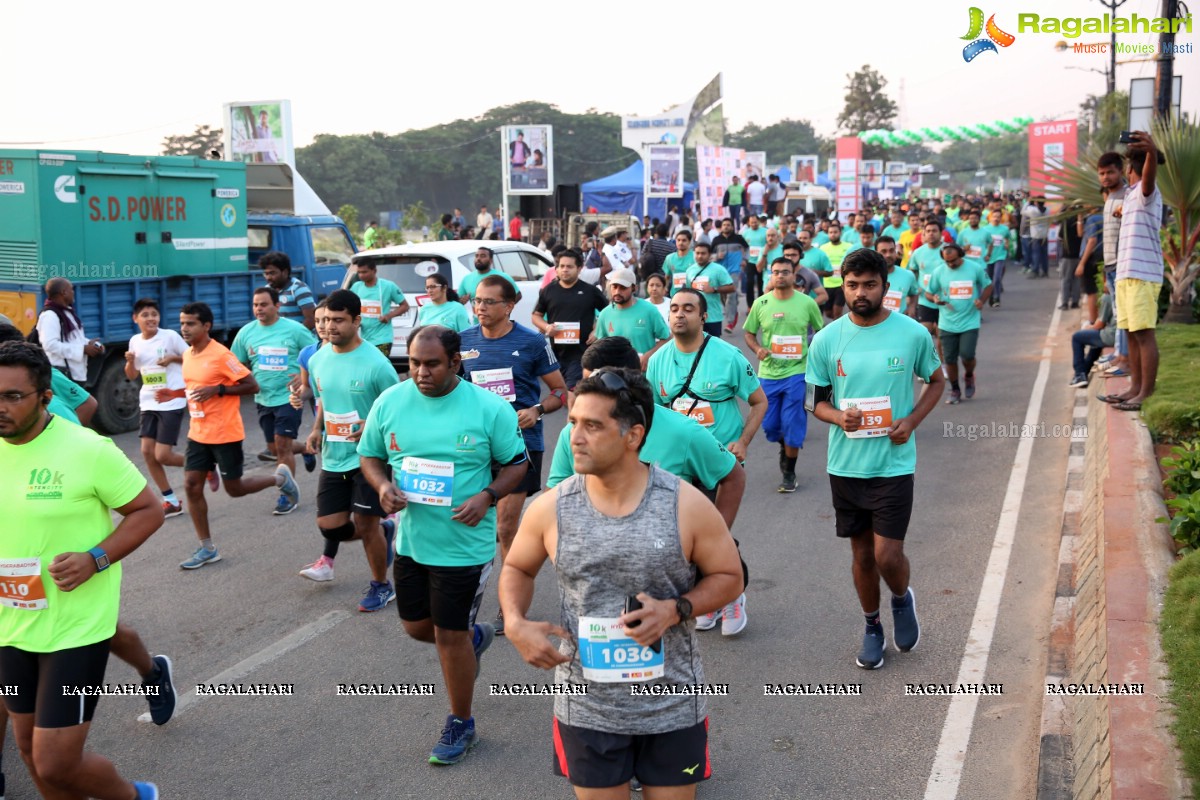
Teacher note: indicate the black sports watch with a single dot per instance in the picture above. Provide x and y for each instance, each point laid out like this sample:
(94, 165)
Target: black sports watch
(683, 607)
(495, 495)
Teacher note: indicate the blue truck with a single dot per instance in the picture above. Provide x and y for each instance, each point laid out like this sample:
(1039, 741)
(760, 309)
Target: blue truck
(174, 228)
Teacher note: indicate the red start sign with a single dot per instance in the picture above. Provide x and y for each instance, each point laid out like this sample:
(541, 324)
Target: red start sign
(159, 209)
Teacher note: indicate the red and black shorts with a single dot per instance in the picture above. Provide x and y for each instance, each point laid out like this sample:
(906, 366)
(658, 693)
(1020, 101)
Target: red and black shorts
(595, 759)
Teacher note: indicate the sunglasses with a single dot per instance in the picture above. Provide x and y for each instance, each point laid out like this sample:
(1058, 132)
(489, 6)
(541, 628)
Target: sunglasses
(615, 383)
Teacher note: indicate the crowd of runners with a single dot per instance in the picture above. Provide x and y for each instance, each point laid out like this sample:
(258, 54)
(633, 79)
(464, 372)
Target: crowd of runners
(859, 322)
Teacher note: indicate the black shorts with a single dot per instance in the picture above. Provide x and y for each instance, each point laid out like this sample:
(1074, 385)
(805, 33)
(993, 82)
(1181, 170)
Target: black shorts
(278, 421)
(449, 595)
(863, 505)
(227, 458)
(1089, 278)
(41, 678)
(162, 426)
(927, 314)
(596, 760)
(837, 297)
(570, 364)
(339, 492)
(532, 482)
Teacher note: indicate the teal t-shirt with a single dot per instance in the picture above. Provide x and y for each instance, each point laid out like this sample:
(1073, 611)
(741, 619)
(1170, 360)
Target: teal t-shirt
(377, 300)
(961, 287)
(757, 239)
(347, 385)
(926, 260)
(675, 267)
(68, 396)
(716, 276)
(441, 451)
(975, 242)
(272, 352)
(675, 443)
(642, 324)
(874, 369)
(466, 287)
(820, 238)
(772, 254)
(722, 376)
(791, 318)
(852, 236)
(998, 235)
(816, 260)
(902, 284)
(452, 315)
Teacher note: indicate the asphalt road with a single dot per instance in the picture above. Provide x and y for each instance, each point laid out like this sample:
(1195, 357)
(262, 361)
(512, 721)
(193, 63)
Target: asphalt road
(251, 613)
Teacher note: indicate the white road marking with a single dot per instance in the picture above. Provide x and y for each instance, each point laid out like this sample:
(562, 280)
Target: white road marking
(951, 754)
(263, 657)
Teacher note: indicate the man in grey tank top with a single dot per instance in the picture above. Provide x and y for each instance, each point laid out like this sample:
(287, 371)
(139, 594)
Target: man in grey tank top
(617, 529)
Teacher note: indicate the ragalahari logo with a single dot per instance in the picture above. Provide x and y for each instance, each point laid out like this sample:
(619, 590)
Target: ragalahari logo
(995, 36)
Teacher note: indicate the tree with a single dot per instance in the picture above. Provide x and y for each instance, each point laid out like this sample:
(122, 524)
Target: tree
(1102, 118)
(780, 141)
(1179, 181)
(198, 143)
(349, 215)
(866, 106)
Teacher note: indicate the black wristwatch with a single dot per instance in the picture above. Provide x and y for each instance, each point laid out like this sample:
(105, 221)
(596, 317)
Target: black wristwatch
(683, 607)
(540, 409)
(495, 495)
(220, 390)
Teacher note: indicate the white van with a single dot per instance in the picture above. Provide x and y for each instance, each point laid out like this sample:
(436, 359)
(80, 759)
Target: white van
(407, 265)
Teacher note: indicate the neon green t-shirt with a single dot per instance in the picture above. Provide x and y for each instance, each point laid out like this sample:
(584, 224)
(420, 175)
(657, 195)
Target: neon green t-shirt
(791, 318)
(466, 287)
(961, 287)
(347, 385)
(675, 443)
(272, 352)
(377, 300)
(735, 194)
(999, 242)
(642, 324)
(870, 367)
(835, 253)
(441, 451)
(722, 376)
(451, 315)
(56, 492)
(716, 276)
(927, 261)
(68, 396)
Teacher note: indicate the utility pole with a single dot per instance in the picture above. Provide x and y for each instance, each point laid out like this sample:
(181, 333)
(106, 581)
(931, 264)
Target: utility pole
(1165, 78)
(1111, 76)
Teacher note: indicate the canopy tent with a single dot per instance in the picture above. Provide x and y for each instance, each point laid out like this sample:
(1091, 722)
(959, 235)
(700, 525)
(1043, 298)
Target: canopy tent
(621, 193)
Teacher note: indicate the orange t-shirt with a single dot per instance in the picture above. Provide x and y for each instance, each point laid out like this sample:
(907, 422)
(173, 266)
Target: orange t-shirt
(218, 420)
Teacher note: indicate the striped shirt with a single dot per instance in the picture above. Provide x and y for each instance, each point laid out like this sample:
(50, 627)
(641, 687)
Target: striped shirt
(294, 298)
(1139, 251)
(1112, 226)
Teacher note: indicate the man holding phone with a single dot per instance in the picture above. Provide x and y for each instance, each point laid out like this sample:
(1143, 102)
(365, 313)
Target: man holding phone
(346, 378)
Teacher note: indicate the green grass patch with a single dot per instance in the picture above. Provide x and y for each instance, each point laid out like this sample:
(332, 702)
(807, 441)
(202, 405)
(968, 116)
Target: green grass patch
(1180, 629)
(1173, 412)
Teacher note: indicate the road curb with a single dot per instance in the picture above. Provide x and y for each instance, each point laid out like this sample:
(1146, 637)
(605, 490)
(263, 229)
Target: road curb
(1113, 564)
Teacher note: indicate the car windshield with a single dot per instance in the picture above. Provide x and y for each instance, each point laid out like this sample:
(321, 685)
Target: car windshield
(410, 272)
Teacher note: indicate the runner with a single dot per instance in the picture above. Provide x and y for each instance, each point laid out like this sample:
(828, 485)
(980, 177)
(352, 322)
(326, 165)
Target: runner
(443, 307)
(300, 389)
(757, 238)
(960, 288)
(447, 535)
(835, 251)
(785, 317)
(566, 314)
(55, 635)
(271, 347)
(604, 530)
(809, 260)
(295, 298)
(346, 378)
(974, 240)
(713, 282)
(631, 317)
(483, 268)
(996, 256)
(215, 381)
(382, 301)
(902, 289)
(861, 368)
(928, 259)
(508, 360)
(155, 355)
(656, 294)
(675, 266)
(729, 250)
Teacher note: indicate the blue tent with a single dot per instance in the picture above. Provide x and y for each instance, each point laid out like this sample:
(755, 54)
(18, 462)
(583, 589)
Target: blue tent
(621, 193)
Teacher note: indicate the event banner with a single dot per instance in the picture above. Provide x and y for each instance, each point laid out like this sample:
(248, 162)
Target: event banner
(755, 163)
(664, 178)
(1051, 144)
(872, 173)
(528, 159)
(717, 167)
(804, 168)
(698, 122)
(896, 174)
(259, 132)
(849, 189)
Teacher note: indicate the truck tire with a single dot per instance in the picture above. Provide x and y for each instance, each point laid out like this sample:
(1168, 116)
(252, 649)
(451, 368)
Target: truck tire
(117, 397)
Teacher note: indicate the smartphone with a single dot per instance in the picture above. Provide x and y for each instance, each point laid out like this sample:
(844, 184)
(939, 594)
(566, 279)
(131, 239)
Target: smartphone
(633, 604)
(1126, 137)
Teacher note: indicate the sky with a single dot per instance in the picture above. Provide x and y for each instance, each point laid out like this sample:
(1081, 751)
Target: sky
(120, 76)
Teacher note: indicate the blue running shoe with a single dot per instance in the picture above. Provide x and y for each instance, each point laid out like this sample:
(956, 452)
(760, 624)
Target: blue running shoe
(377, 596)
(283, 506)
(485, 634)
(288, 488)
(145, 791)
(389, 540)
(201, 557)
(906, 630)
(310, 462)
(457, 738)
(871, 655)
(162, 705)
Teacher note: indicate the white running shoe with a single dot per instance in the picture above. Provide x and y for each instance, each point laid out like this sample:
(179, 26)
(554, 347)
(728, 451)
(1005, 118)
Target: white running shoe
(706, 622)
(320, 570)
(733, 617)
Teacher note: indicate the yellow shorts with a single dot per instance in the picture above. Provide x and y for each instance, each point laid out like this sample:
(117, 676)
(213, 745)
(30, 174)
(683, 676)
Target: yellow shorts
(1137, 304)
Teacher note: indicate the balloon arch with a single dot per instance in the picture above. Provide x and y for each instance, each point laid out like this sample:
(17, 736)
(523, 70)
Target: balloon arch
(945, 133)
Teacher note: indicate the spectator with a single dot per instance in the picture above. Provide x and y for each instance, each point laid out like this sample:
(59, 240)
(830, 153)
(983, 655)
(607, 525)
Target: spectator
(483, 221)
(732, 200)
(370, 234)
(514, 227)
(295, 298)
(1089, 343)
(655, 252)
(60, 332)
(446, 232)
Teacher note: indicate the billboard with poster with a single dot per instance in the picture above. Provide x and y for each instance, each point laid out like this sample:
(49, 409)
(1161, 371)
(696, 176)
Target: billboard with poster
(528, 153)
(716, 167)
(804, 168)
(698, 122)
(755, 163)
(872, 174)
(259, 132)
(664, 175)
(895, 173)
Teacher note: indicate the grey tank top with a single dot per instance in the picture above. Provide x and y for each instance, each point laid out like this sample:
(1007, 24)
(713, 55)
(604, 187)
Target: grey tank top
(602, 560)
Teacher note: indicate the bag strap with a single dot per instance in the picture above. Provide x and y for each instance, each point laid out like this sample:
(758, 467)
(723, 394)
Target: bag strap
(687, 382)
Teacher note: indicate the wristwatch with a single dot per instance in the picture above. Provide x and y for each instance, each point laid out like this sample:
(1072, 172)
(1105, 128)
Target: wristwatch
(100, 557)
(495, 495)
(540, 409)
(683, 607)
(220, 390)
